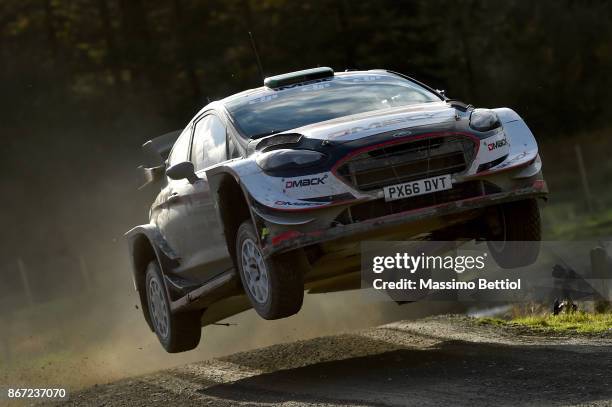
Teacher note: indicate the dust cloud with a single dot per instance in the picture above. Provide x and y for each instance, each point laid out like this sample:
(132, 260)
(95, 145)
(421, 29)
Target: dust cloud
(101, 336)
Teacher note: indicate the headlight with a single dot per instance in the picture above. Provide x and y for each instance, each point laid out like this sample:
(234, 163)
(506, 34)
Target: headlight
(484, 120)
(284, 159)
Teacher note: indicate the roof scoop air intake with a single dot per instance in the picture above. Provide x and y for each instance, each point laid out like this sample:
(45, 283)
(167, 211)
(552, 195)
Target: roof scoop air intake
(292, 78)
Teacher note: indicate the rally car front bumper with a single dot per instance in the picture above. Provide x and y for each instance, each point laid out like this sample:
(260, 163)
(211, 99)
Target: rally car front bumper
(403, 224)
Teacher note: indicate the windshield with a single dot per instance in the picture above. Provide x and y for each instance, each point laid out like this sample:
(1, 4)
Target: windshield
(273, 111)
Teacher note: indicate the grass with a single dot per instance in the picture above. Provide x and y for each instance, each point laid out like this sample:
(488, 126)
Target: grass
(559, 226)
(580, 322)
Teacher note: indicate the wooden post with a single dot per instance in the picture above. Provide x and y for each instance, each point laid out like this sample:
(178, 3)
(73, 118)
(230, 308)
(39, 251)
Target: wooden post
(583, 177)
(24, 280)
(600, 268)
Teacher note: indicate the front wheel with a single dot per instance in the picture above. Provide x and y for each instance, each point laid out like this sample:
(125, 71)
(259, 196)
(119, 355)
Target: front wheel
(274, 286)
(515, 234)
(178, 332)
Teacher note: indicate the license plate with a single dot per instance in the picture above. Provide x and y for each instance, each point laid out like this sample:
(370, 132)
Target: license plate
(418, 187)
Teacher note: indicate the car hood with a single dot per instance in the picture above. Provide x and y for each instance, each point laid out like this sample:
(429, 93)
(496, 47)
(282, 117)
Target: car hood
(362, 125)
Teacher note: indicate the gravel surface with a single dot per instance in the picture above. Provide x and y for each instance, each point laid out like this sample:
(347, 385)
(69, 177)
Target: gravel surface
(446, 360)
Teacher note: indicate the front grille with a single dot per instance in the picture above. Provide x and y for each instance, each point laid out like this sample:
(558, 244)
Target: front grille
(408, 161)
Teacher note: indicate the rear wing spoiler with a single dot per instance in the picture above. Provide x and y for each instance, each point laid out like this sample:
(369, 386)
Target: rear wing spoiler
(157, 150)
(161, 145)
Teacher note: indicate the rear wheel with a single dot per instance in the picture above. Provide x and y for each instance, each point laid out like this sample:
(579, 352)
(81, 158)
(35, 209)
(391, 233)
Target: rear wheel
(177, 332)
(515, 234)
(274, 286)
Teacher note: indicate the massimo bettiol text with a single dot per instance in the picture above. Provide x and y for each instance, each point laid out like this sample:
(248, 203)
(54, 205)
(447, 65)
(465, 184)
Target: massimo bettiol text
(410, 265)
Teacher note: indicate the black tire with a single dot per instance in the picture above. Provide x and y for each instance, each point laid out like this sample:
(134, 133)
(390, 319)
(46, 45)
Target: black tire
(177, 332)
(281, 275)
(516, 242)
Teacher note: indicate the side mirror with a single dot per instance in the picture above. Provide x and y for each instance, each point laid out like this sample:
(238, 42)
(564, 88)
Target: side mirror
(183, 170)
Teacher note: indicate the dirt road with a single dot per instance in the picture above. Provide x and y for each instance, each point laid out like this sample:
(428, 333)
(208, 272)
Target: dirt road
(435, 361)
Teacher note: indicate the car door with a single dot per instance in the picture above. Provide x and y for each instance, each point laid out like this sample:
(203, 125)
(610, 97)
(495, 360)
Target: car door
(209, 255)
(170, 211)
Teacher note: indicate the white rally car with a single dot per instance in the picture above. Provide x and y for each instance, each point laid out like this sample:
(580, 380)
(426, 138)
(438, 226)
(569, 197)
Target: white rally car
(267, 193)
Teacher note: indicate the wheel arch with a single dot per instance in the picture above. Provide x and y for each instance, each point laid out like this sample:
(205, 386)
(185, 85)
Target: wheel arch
(233, 206)
(145, 245)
